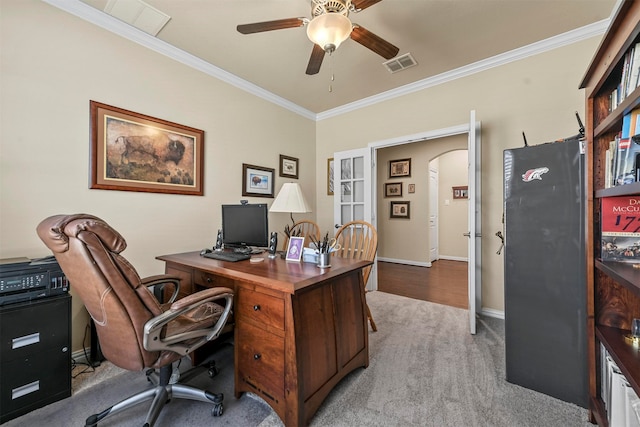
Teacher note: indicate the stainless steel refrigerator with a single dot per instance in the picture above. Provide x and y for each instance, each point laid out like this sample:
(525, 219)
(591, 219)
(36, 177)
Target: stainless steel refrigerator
(544, 270)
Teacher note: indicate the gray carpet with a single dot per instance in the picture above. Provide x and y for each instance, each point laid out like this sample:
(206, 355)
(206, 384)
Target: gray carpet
(425, 370)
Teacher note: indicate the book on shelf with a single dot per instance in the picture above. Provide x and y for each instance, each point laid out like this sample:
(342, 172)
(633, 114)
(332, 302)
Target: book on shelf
(620, 229)
(630, 78)
(627, 163)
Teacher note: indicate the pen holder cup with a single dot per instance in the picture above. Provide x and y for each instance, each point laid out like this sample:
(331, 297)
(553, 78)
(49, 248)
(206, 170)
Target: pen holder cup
(324, 260)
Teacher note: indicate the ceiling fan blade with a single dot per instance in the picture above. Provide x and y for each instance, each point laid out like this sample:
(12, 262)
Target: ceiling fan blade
(280, 24)
(317, 55)
(377, 44)
(363, 4)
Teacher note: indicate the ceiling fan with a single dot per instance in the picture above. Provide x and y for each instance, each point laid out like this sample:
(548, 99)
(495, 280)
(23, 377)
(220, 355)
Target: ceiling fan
(329, 26)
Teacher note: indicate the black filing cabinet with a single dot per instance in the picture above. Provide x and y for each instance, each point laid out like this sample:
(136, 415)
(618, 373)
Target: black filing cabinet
(35, 354)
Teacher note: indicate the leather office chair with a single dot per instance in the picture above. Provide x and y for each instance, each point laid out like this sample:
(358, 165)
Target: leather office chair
(358, 240)
(303, 228)
(134, 329)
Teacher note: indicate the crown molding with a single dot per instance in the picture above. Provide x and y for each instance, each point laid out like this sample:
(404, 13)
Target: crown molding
(120, 28)
(570, 37)
(96, 17)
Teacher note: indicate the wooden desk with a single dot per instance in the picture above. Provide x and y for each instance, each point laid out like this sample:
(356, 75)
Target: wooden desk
(299, 329)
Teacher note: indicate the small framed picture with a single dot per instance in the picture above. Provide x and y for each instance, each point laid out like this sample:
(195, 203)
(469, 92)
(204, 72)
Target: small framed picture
(461, 192)
(257, 181)
(393, 189)
(288, 166)
(294, 249)
(400, 210)
(412, 188)
(399, 168)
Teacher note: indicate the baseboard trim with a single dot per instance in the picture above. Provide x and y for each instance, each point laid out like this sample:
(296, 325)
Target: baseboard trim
(405, 261)
(81, 355)
(453, 258)
(490, 312)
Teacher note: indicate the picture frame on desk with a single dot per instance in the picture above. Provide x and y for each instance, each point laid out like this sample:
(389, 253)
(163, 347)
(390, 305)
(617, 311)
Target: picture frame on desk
(135, 152)
(295, 248)
(257, 181)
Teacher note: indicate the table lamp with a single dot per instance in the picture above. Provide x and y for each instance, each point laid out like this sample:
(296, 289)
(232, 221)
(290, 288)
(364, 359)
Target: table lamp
(290, 199)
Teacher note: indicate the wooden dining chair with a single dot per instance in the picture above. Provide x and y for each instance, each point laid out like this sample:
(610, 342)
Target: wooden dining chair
(358, 240)
(303, 228)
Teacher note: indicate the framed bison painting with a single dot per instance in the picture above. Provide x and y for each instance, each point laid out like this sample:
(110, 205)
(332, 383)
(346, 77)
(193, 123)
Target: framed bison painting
(134, 152)
(257, 181)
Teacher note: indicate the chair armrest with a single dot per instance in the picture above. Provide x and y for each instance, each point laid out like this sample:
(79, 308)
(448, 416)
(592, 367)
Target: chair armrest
(186, 342)
(163, 279)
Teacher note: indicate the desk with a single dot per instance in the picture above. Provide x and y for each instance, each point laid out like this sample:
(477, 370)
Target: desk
(299, 329)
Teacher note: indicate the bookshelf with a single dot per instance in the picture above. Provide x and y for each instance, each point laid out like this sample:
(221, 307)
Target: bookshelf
(613, 288)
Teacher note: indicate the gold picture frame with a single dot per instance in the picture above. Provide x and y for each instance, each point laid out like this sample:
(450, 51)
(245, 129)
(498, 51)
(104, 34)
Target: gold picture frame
(330, 176)
(135, 152)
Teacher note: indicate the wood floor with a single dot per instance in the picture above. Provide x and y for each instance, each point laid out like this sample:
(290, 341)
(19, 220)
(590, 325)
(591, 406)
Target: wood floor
(445, 282)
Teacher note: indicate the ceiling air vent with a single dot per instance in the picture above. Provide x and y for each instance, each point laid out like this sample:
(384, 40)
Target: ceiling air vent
(400, 63)
(139, 14)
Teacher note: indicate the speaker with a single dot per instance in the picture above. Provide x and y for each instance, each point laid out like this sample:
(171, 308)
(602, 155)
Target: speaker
(218, 246)
(273, 244)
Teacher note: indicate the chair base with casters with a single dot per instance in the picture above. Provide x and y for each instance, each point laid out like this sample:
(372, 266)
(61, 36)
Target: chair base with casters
(160, 395)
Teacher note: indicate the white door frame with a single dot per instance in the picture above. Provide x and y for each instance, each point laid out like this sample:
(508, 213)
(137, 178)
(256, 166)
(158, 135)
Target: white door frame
(472, 127)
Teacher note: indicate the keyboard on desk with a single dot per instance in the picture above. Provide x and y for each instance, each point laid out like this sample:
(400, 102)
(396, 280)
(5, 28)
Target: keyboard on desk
(227, 256)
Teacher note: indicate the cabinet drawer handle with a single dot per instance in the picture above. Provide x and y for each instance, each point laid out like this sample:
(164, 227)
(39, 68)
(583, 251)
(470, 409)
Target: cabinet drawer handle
(256, 307)
(209, 280)
(257, 356)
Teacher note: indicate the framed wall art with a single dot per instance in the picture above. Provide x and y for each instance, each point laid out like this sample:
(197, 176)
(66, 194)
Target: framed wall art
(134, 152)
(393, 189)
(461, 192)
(412, 188)
(399, 168)
(400, 210)
(288, 167)
(257, 181)
(330, 177)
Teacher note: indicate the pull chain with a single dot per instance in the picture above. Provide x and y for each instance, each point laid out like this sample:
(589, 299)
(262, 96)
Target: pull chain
(332, 75)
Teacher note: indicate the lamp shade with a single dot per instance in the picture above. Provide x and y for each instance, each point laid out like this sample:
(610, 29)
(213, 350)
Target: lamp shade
(290, 199)
(329, 30)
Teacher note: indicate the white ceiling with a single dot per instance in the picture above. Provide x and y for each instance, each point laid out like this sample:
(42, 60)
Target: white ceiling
(442, 36)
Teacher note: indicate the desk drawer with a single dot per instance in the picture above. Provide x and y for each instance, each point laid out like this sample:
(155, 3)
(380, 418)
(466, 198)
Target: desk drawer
(260, 309)
(261, 361)
(208, 280)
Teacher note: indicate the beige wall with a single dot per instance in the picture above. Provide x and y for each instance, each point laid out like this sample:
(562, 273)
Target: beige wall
(47, 78)
(537, 95)
(453, 214)
(407, 240)
(52, 64)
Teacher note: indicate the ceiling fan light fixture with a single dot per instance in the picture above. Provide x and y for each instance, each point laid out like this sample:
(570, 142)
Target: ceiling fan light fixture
(329, 30)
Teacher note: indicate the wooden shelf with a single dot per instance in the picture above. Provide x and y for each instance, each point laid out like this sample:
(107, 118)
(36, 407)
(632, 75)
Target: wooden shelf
(623, 273)
(620, 190)
(626, 356)
(613, 288)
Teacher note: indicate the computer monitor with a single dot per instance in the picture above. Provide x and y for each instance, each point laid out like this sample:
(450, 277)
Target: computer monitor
(245, 225)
